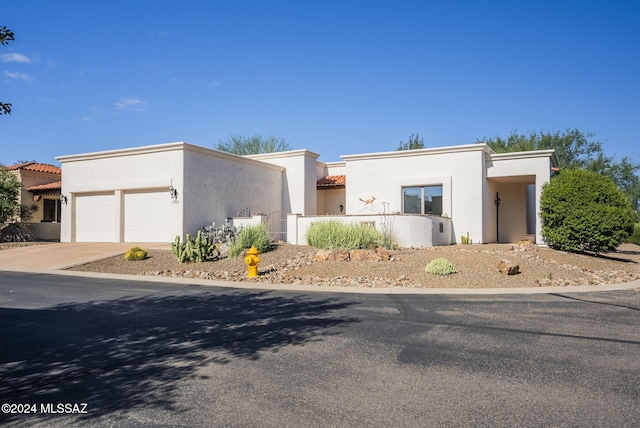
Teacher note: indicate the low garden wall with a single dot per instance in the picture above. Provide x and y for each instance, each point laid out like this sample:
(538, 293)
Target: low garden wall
(45, 231)
(406, 230)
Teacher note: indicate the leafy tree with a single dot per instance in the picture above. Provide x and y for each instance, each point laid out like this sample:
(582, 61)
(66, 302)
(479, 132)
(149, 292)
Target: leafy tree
(584, 211)
(575, 149)
(12, 212)
(5, 36)
(9, 192)
(415, 142)
(241, 145)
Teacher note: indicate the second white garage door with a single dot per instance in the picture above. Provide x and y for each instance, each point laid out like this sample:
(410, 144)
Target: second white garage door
(147, 216)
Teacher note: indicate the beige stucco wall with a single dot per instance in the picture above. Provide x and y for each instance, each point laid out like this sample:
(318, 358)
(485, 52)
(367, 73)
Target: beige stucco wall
(329, 201)
(522, 168)
(35, 178)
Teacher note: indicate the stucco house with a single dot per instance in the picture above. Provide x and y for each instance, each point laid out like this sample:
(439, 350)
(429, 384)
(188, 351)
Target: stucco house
(40, 185)
(422, 197)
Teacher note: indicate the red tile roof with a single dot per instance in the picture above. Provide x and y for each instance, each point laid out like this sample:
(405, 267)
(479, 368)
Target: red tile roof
(35, 166)
(55, 186)
(332, 181)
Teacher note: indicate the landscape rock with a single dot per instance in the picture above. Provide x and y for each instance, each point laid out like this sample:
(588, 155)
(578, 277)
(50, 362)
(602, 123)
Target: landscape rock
(359, 255)
(331, 255)
(507, 268)
(383, 253)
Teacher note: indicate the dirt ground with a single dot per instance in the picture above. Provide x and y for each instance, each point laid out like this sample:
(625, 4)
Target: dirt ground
(477, 267)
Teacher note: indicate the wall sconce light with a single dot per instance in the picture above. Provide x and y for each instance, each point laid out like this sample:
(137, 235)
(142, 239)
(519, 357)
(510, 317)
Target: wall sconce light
(341, 208)
(63, 199)
(174, 193)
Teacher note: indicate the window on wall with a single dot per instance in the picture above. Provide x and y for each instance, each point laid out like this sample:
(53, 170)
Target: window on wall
(51, 210)
(422, 200)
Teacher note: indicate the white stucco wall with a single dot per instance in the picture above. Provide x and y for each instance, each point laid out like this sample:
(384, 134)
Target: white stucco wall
(406, 230)
(299, 179)
(459, 169)
(335, 168)
(220, 185)
(151, 168)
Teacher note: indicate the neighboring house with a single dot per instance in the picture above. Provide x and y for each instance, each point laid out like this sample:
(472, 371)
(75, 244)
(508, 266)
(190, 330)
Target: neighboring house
(424, 197)
(40, 185)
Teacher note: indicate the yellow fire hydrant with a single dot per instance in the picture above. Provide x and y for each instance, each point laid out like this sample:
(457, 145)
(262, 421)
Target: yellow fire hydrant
(252, 261)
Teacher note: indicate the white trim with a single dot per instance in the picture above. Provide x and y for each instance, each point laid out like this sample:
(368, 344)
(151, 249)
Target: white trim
(419, 152)
(526, 155)
(178, 146)
(279, 155)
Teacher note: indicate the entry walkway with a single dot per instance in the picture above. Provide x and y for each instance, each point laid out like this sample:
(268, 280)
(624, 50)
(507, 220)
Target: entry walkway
(61, 255)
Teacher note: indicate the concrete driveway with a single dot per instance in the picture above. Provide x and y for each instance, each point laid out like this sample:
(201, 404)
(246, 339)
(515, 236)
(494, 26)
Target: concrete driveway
(61, 255)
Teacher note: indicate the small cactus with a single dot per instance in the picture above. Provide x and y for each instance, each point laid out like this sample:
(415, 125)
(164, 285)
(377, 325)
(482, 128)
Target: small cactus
(135, 253)
(465, 240)
(193, 250)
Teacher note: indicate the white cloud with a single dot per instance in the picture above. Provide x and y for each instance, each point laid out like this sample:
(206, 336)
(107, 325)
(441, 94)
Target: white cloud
(215, 84)
(18, 76)
(15, 57)
(130, 103)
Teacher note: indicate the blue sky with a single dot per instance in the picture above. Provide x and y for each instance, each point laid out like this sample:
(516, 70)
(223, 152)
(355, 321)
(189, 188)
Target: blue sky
(335, 77)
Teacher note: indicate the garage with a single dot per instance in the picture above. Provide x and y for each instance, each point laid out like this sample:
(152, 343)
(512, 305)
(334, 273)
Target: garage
(147, 216)
(95, 215)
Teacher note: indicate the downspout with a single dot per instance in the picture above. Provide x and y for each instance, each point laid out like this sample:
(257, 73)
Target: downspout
(497, 202)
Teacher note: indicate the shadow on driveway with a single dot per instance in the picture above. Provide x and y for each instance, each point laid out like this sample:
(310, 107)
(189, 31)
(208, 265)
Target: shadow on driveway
(132, 352)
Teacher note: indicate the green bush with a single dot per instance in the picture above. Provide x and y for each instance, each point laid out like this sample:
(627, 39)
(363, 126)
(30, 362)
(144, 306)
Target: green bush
(256, 236)
(440, 266)
(584, 211)
(635, 236)
(329, 235)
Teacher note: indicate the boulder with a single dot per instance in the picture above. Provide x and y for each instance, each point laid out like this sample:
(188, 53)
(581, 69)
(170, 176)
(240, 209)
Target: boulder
(507, 268)
(527, 246)
(383, 253)
(341, 255)
(331, 255)
(364, 256)
(322, 255)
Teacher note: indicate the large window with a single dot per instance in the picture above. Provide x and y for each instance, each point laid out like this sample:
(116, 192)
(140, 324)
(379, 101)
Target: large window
(422, 200)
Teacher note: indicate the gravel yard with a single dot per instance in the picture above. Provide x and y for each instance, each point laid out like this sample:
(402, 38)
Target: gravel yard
(476, 265)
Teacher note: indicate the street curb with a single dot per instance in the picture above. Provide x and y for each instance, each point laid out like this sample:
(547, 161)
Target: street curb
(633, 285)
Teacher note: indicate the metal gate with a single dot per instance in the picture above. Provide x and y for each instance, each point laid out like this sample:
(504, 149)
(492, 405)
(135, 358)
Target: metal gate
(277, 226)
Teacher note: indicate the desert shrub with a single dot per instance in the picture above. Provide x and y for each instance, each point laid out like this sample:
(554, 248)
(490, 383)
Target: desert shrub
(135, 253)
(635, 236)
(256, 236)
(16, 232)
(584, 211)
(440, 266)
(333, 234)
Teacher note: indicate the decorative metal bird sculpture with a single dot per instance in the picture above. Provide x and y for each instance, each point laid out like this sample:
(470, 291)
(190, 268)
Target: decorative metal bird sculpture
(368, 201)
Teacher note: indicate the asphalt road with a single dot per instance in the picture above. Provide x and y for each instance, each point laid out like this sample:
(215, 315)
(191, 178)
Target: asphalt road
(90, 352)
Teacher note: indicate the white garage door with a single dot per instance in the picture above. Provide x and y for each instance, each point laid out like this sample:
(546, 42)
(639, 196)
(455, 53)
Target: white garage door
(95, 217)
(147, 216)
